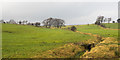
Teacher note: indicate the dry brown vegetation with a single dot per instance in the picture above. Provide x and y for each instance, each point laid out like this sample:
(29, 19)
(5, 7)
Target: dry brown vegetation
(66, 51)
(72, 49)
(105, 49)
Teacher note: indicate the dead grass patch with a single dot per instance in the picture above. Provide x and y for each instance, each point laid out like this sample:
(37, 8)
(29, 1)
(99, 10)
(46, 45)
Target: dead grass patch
(66, 51)
(105, 49)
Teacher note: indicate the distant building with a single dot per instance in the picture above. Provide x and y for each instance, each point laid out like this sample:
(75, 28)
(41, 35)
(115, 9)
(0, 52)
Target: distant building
(12, 22)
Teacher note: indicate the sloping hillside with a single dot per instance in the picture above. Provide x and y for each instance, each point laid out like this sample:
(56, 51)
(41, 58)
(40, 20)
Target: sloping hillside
(112, 25)
(89, 41)
(22, 41)
(107, 48)
(95, 29)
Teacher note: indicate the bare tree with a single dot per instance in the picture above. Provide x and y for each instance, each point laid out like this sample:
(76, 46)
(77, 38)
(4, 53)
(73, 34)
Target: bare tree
(37, 24)
(47, 22)
(53, 22)
(58, 23)
(99, 20)
(109, 19)
(12, 21)
(105, 20)
(24, 21)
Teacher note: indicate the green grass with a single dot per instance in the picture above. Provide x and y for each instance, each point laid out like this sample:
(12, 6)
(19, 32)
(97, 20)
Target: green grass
(95, 29)
(112, 25)
(108, 43)
(22, 41)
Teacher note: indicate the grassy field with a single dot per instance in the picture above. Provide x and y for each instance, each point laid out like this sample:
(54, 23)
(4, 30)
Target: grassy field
(95, 29)
(112, 25)
(22, 41)
(110, 43)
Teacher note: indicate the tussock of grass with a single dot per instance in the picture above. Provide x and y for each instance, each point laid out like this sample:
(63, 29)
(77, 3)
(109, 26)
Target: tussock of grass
(105, 49)
(66, 51)
(109, 40)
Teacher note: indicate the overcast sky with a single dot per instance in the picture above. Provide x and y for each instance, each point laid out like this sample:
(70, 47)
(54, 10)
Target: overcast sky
(71, 12)
(60, 0)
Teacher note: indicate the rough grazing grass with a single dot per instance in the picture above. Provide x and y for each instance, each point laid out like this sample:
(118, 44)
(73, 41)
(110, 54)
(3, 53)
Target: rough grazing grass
(107, 49)
(112, 25)
(103, 49)
(95, 29)
(67, 51)
(22, 41)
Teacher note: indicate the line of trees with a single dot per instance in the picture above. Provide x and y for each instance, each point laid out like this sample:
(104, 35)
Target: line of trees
(50, 22)
(24, 22)
(102, 19)
(58, 23)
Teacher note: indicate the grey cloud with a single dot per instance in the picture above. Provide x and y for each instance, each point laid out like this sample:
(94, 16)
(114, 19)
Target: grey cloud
(70, 12)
